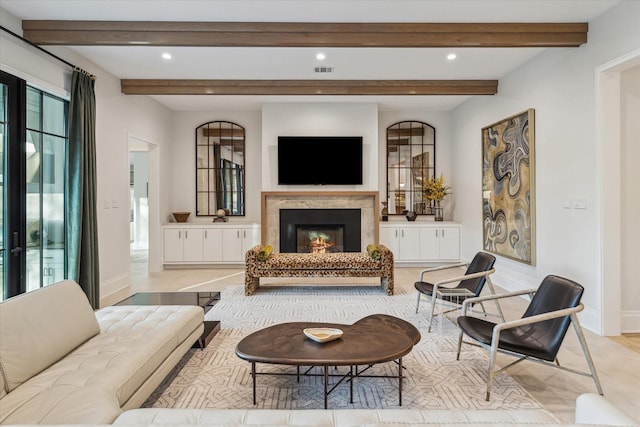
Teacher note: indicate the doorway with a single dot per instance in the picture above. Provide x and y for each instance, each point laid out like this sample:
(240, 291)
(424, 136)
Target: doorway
(143, 207)
(618, 101)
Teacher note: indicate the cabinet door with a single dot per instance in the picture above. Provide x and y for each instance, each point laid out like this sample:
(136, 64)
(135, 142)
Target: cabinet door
(173, 245)
(409, 244)
(429, 244)
(250, 238)
(193, 244)
(232, 244)
(212, 245)
(389, 236)
(450, 243)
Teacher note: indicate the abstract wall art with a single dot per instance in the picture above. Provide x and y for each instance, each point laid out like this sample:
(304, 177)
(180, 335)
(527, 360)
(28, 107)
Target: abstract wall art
(508, 191)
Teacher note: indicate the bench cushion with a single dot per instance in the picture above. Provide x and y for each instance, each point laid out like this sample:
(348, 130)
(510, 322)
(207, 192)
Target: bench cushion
(327, 261)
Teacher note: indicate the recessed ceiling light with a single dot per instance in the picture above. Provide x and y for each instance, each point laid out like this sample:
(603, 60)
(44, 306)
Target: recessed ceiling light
(452, 56)
(166, 55)
(320, 56)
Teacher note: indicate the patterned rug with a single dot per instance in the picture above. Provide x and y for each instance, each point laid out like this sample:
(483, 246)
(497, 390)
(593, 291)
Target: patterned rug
(216, 378)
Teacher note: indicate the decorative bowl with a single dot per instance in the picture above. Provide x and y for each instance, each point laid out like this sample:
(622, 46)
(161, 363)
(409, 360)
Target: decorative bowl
(323, 334)
(181, 216)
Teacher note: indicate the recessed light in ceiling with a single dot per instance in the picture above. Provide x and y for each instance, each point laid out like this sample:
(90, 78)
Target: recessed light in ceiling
(451, 56)
(166, 55)
(320, 56)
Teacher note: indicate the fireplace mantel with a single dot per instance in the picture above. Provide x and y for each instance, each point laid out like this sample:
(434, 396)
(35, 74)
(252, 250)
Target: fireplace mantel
(273, 201)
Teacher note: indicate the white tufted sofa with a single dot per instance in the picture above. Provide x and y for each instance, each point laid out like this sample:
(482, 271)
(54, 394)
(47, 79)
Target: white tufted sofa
(63, 363)
(591, 409)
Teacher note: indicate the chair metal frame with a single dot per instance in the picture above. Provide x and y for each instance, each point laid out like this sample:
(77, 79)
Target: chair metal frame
(439, 284)
(493, 349)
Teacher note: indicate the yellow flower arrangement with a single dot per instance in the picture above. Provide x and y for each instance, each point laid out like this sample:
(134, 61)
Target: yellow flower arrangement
(434, 189)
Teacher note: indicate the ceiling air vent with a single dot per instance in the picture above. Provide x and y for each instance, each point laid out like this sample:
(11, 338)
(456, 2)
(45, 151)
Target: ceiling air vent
(323, 69)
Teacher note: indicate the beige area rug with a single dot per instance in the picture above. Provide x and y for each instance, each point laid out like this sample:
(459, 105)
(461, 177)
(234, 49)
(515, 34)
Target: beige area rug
(216, 378)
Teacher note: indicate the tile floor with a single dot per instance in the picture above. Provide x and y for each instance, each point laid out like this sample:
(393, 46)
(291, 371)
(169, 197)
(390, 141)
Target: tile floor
(617, 363)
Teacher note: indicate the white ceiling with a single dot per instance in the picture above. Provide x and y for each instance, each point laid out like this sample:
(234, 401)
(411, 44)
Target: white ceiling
(298, 63)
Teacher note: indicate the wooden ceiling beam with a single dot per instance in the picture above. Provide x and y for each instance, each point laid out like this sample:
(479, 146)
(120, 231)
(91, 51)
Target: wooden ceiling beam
(297, 34)
(308, 87)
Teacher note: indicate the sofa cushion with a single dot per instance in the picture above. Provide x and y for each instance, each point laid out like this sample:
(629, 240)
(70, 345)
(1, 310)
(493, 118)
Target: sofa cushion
(135, 341)
(34, 404)
(329, 418)
(41, 327)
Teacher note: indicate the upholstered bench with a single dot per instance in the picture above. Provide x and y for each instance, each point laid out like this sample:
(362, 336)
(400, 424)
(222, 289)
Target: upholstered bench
(342, 264)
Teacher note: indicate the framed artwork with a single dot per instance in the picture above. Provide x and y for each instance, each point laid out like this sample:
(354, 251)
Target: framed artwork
(508, 191)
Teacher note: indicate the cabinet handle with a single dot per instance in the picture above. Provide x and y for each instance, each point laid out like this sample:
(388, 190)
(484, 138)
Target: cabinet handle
(396, 233)
(205, 234)
(179, 234)
(436, 232)
(238, 234)
(402, 231)
(244, 234)
(443, 233)
(186, 234)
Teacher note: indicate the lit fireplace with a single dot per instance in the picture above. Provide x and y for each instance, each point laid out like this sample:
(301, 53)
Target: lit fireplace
(320, 230)
(319, 239)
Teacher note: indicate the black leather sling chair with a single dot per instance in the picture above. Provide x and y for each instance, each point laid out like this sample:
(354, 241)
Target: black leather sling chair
(538, 335)
(470, 285)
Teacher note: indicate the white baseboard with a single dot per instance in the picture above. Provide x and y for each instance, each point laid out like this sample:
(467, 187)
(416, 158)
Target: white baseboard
(114, 285)
(630, 321)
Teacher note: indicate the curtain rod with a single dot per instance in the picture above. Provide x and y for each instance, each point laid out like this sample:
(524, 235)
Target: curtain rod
(19, 37)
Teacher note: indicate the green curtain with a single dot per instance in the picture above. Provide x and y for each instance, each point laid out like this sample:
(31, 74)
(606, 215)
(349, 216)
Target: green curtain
(82, 220)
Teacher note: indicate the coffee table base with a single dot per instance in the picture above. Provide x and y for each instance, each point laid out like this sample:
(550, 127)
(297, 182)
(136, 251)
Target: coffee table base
(350, 376)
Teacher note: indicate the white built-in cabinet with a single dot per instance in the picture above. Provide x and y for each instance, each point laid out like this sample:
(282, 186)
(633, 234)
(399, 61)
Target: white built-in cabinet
(418, 242)
(208, 243)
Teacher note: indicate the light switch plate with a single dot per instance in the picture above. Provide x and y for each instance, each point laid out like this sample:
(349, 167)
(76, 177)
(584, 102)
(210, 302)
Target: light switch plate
(579, 204)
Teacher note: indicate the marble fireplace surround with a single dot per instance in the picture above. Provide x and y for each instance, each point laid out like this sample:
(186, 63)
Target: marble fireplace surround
(273, 201)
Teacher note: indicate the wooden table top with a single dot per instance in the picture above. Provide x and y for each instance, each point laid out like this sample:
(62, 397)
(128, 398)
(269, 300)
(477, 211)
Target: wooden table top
(286, 344)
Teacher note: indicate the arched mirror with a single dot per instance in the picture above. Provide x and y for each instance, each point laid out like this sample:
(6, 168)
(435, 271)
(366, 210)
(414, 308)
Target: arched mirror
(220, 149)
(411, 159)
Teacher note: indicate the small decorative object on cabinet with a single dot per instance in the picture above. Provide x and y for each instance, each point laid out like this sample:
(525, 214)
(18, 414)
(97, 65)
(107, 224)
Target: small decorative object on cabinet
(411, 216)
(434, 191)
(181, 216)
(220, 216)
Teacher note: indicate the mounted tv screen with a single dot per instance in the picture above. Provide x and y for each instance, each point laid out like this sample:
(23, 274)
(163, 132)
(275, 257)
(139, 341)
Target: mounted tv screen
(319, 160)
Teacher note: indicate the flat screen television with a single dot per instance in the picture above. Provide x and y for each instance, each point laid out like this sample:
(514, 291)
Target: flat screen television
(319, 160)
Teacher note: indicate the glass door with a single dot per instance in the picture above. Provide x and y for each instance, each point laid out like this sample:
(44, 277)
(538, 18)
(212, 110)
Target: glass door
(45, 153)
(33, 128)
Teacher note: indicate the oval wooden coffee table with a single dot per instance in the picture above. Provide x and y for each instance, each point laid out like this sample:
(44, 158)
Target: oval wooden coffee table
(360, 344)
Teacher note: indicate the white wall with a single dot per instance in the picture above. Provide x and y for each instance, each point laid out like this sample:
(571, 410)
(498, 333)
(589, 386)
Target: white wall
(319, 119)
(560, 85)
(30, 64)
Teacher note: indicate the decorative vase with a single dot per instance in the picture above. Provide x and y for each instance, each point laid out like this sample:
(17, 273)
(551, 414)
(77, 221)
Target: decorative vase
(411, 216)
(438, 211)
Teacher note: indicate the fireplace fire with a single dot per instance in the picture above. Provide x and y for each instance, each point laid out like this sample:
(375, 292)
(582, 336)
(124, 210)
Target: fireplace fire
(319, 243)
(320, 239)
